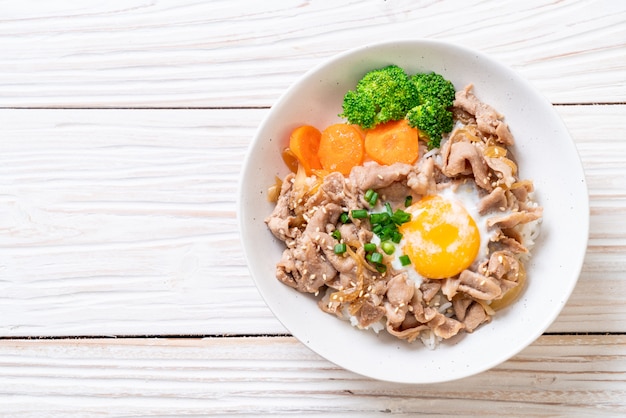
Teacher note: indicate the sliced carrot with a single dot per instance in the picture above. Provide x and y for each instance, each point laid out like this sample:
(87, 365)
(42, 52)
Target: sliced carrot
(304, 142)
(392, 142)
(341, 148)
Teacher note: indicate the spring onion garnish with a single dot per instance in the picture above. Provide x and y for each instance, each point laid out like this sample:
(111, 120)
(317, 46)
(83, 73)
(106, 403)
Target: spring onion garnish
(369, 247)
(404, 260)
(359, 213)
(388, 247)
(344, 218)
(371, 197)
(340, 248)
(376, 258)
(336, 234)
(408, 201)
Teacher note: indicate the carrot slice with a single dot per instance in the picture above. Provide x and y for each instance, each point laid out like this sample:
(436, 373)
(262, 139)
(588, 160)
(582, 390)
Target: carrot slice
(341, 148)
(304, 143)
(392, 142)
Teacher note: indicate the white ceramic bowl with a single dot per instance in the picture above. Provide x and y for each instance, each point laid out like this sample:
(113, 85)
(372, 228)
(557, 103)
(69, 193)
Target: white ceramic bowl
(546, 154)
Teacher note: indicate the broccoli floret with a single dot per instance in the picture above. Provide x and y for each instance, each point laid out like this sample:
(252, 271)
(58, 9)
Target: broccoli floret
(432, 86)
(380, 96)
(432, 119)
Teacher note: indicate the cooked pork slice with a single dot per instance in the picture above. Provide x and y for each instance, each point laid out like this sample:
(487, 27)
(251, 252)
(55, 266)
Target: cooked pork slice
(521, 192)
(303, 268)
(508, 243)
(460, 303)
(475, 316)
(494, 201)
(504, 265)
(513, 219)
(504, 172)
(487, 118)
(369, 313)
(445, 327)
(322, 218)
(372, 175)
(333, 189)
(450, 287)
(422, 180)
(429, 290)
(463, 158)
(409, 334)
(478, 286)
(281, 220)
(400, 290)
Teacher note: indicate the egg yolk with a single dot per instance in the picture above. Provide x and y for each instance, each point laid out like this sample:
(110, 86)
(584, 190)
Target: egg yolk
(441, 238)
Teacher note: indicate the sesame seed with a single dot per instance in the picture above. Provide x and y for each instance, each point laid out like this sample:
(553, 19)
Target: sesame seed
(324, 276)
(312, 277)
(502, 208)
(367, 295)
(324, 209)
(380, 176)
(317, 292)
(500, 258)
(361, 294)
(482, 282)
(485, 180)
(397, 309)
(317, 229)
(353, 284)
(305, 271)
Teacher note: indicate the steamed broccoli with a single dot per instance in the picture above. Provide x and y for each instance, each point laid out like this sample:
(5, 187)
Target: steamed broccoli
(432, 116)
(380, 96)
(432, 86)
(432, 119)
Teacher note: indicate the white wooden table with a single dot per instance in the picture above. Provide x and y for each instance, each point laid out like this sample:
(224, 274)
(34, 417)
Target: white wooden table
(123, 125)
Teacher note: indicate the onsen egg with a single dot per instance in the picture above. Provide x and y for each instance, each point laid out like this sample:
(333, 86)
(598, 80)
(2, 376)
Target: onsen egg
(445, 235)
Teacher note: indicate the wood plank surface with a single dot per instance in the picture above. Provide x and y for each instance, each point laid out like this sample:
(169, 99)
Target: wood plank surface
(556, 376)
(123, 222)
(225, 53)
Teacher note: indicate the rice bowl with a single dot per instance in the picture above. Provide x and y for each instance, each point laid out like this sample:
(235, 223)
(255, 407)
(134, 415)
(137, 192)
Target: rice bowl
(560, 185)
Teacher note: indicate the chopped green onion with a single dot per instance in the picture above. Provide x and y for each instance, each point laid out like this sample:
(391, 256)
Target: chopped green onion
(376, 258)
(379, 218)
(359, 213)
(373, 199)
(404, 260)
(388, 247)
(388, 209)
(408, 201)
(336, 234)
(400, 217)
(340, 248)
(344, 218)
(381, 268)
(368, 194)
(369, 247)
(396, 237)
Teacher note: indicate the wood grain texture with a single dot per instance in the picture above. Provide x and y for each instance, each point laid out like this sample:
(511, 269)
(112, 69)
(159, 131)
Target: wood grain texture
(123, 222)
(556, 376)
(225, 53)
